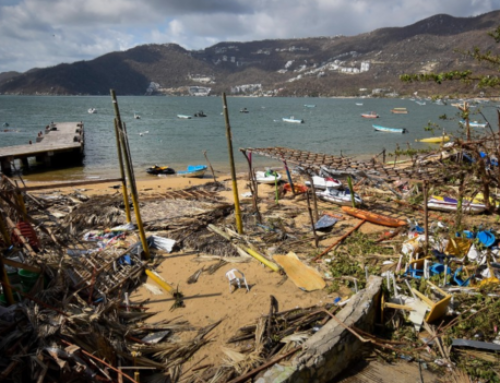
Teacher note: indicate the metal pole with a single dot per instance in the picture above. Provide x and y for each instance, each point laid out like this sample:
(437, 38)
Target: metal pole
(130, 174)
(426, 216)
(122, 173)
(237, 211)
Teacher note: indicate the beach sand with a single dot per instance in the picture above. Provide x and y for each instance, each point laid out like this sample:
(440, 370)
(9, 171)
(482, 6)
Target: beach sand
(210, 299)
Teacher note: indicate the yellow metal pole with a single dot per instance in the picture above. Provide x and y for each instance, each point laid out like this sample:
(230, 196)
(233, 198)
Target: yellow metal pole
(122, 173)
(155, 277)
(237, 210)
(130, 174)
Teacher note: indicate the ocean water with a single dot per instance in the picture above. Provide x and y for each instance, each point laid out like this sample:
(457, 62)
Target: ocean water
(333, 126)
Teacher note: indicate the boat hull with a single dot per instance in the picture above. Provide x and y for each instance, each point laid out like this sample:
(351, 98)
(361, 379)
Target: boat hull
(378, 219)
(434, 140)
(293, 120)
(338, 197)
(379, 128)
(193, 172)
(323, 183)
(261, 177)
(447, 204)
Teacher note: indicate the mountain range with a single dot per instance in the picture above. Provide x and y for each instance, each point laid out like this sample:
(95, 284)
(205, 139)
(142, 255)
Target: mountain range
(365, 64)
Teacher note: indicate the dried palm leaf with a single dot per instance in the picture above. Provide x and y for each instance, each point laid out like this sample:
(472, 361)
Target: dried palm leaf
(153, 289)
(297, 338)
(194, 278)
(242, 363)
(213, 268)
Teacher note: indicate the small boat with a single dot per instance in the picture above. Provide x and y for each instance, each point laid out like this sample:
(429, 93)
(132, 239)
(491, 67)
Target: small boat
(399, 111)
(5, 124)
(450, 204)
(136, 116)
(379, 128)
(339, 197)
(378, 219)
(193, 171)
(293, 119)
(244, 110)
(323, 183)
(421, 103)
(359, 104)
(434, 140)
(474, 124)
(299, 188)
(92, 111)
(200, 114)
(184, 116)
(160, 170)
(310, 105)
(267, 177)
(370, 115)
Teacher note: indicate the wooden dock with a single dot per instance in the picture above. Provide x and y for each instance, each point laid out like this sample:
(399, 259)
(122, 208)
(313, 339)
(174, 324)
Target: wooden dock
(60, 142)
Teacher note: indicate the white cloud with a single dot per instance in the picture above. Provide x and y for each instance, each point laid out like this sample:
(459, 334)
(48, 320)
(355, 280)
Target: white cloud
(38, 33)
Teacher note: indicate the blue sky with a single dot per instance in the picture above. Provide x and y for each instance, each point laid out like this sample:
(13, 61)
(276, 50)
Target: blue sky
(41, 33)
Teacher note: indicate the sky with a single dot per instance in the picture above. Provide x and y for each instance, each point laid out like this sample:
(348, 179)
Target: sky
(43, 33)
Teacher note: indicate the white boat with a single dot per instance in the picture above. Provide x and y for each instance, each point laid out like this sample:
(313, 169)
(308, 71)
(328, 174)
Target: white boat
(293, 119)
(323, 183)
(474, 124)
(92, 110)
(267, 177)
(136, 116)
(184, 116)
(339, 197)
(359, 104)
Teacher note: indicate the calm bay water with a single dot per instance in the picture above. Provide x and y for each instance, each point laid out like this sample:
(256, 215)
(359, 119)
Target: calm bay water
(333, 126)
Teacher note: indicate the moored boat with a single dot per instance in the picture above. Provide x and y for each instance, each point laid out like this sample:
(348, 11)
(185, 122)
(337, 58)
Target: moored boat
(323, 183)
(160, 170)
(474, 124)
(359, 104)
(293, 120)
(136, 116)
(184, 116)
(370, 115)
(310, 105)
(434, 140)
(421, 103)
(339, 197)
(379, 128)
(193, 171)
(399, 111)
(244, 110)
(267, 177)
(378, 219)
(92, 110)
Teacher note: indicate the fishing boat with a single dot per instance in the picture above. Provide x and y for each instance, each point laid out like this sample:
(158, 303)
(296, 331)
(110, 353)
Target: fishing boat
(193, 171)
(92, 111)
(298, 188)
(434, 140)
(474, 124)
(200, 114)
(293, 120)
(378, 219)
(310, 105)
(244, 110)
(184, 116)
(323, 183)
(399, 111)
(379, 128)
(450, 204)
(339, 197)
(359, 104)
(267, 177)
(155, 170)
(370, 115)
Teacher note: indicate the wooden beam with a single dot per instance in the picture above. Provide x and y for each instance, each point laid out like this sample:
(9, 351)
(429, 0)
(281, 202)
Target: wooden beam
(71, 184)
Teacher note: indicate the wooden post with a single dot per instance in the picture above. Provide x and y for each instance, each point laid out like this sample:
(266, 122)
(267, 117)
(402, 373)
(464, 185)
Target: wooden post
(316, 242)
(383, 156)
(122, 173)
(130, 174)
(4, 278)
(426, 217)
(254, 188)
(237, 211)
(3, 230)
(467, 125)
(289, 177)
(210, 165)
(315, 199)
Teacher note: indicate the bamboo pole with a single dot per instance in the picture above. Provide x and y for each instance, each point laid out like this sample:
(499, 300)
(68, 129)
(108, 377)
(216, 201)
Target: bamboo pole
(353, 199)
(315, 200)
(210, 165)
(122, 173)
(237, 211)
(316, 242)
(70, 184)
(289, 177)
(130, 174)
(339, 240)
(426, 216)
(20, 201)
(254, 188)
